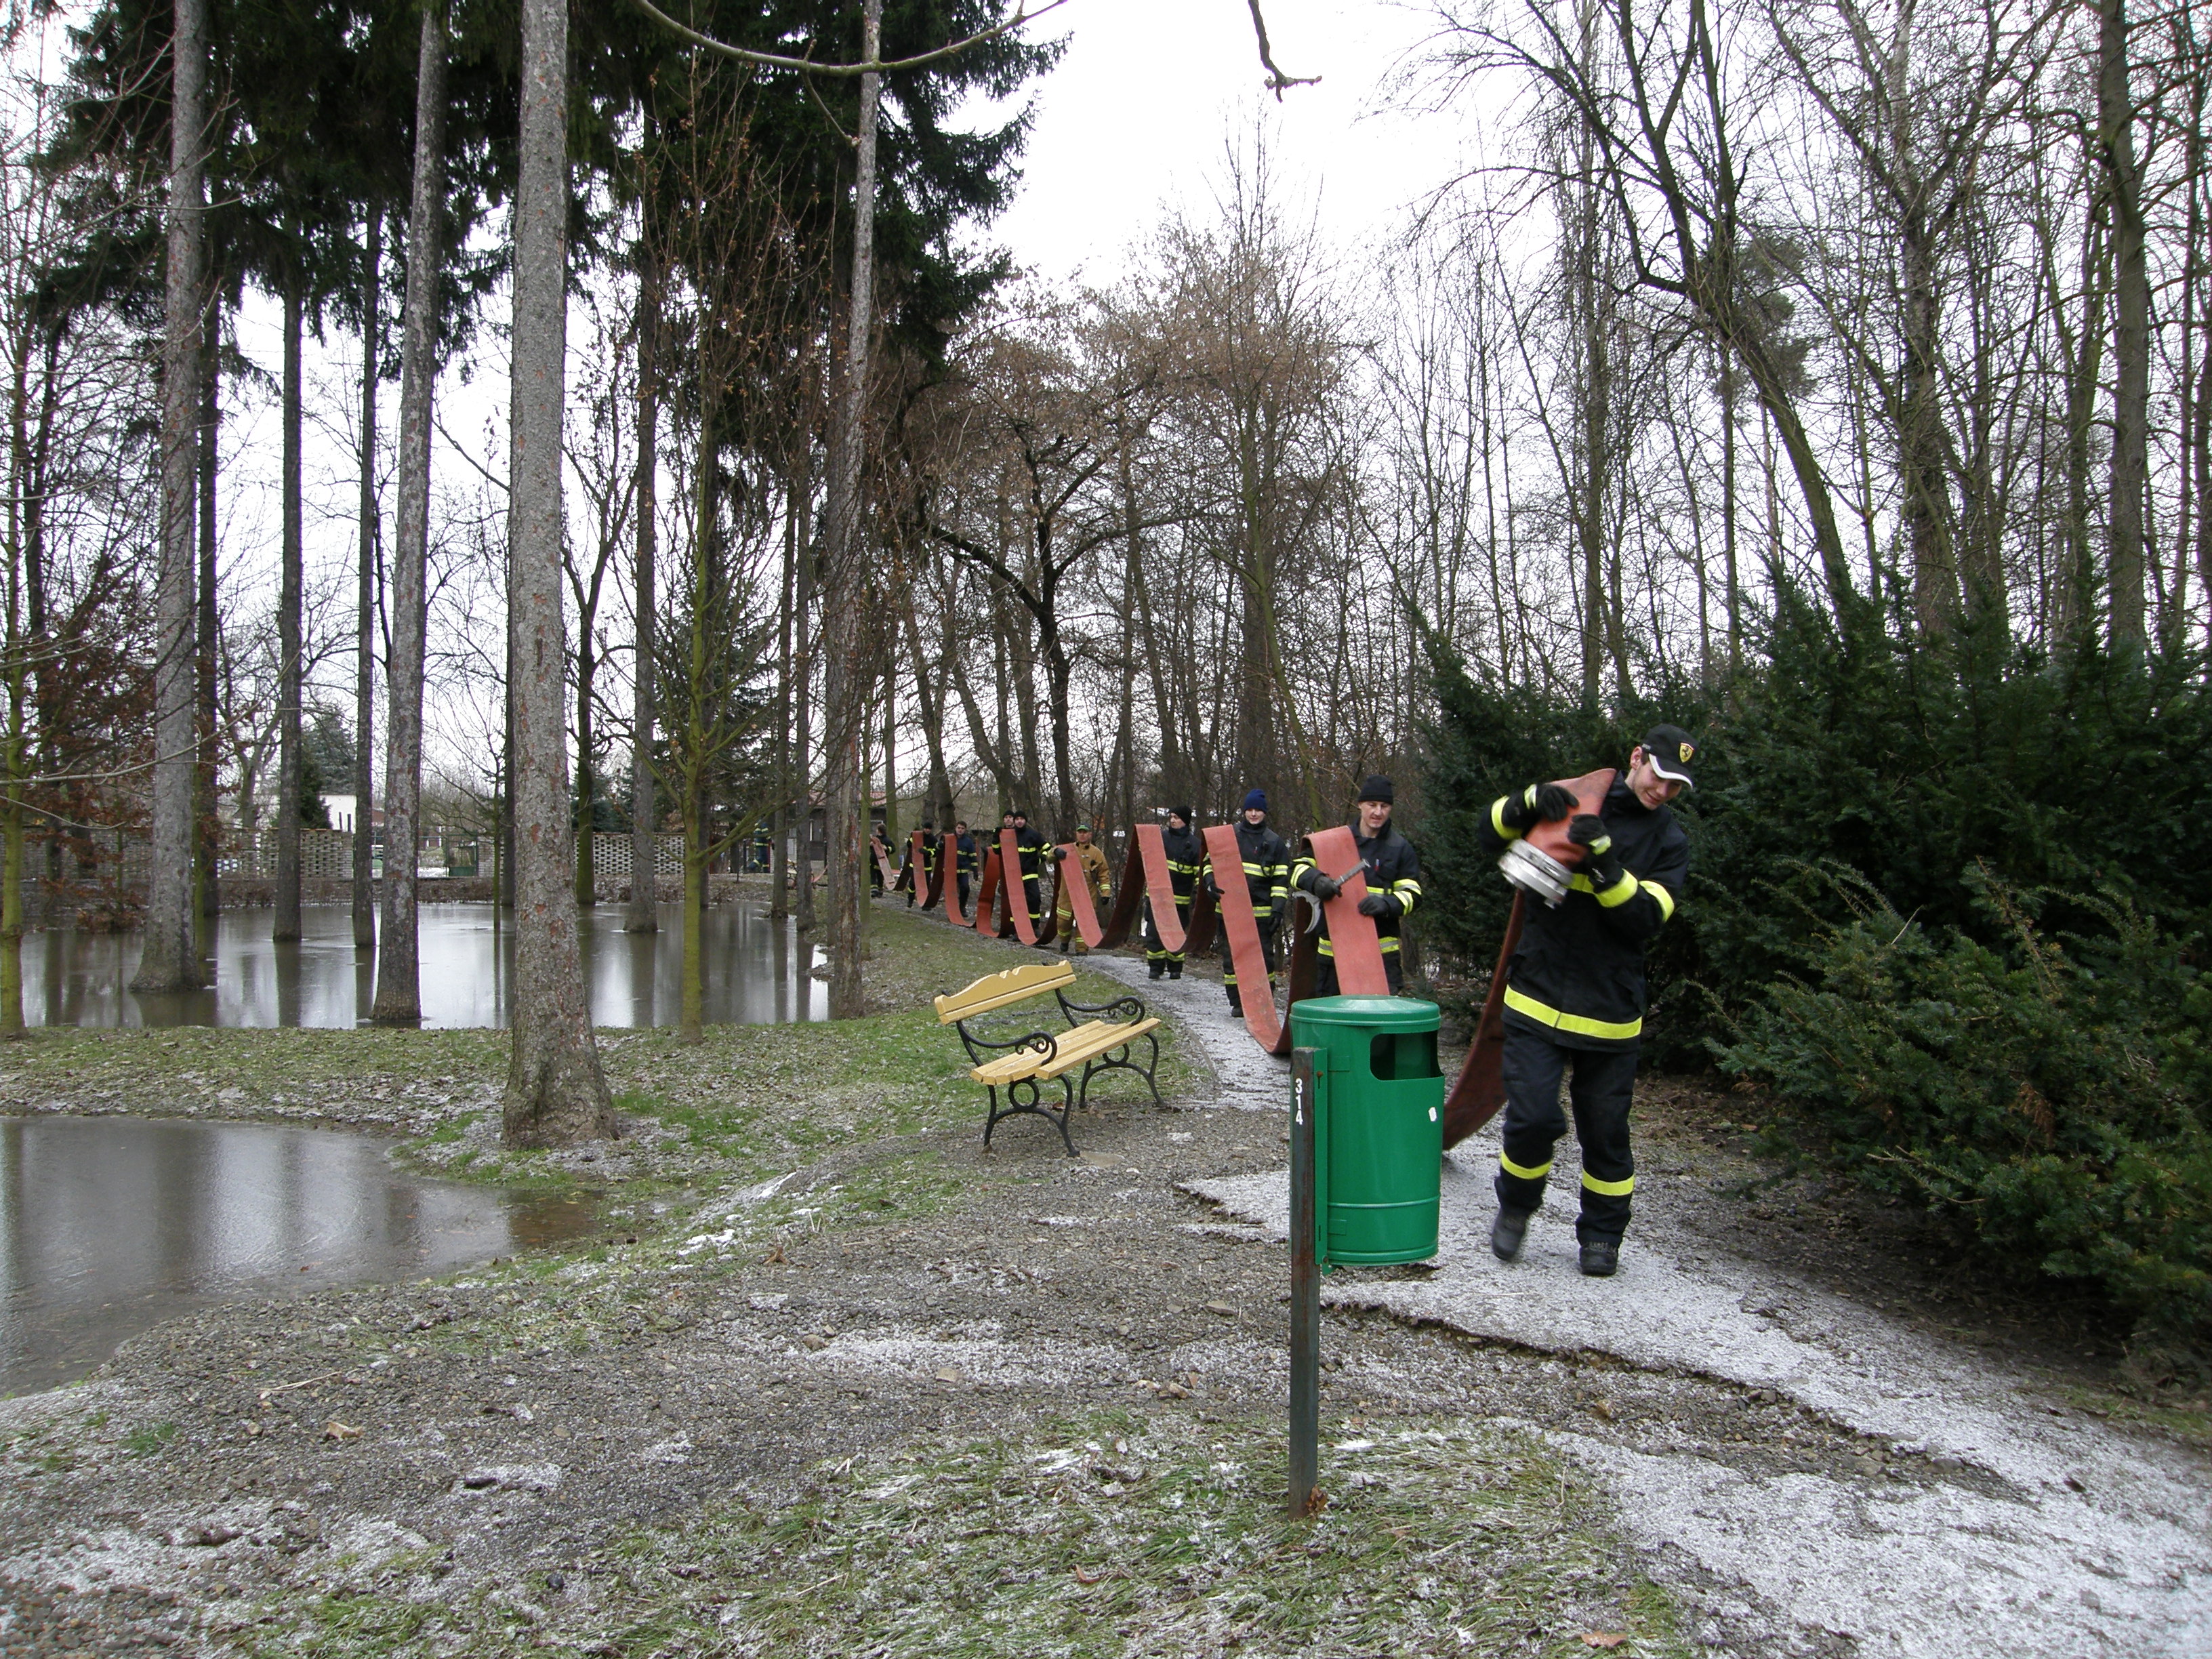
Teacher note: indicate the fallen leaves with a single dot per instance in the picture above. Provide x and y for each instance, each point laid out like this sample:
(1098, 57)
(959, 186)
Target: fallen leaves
(335, 1429)
(1603, 1638)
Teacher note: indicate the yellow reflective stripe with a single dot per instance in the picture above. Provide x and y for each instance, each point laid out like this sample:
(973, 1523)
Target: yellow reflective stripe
(1522, 1170)
(1522, 1002)
(1666, 900)
(1619, 894)
(1497, 819)
(1326, 948)
(1388, 941)
(1609, 1188)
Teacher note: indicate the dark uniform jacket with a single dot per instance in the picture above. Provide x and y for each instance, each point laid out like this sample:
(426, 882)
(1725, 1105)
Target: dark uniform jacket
(1392, 867)
(1186, 861)
(1029, 842)
(1267, 858)
(1578, 974)
(964, 855)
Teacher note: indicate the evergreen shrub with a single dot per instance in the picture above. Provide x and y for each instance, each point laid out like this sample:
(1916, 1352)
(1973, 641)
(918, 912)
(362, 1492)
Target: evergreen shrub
(1890, 839)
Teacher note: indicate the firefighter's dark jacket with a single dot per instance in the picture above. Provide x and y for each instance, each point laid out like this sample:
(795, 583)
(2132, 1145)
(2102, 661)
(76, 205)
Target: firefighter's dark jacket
(1578, 974)
(1393, 868)
(1029, 845)
(1186, 860)
(1267, 858)
(964, 855)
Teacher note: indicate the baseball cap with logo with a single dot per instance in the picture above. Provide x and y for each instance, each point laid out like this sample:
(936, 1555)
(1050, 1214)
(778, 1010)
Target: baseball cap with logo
(1670, 750)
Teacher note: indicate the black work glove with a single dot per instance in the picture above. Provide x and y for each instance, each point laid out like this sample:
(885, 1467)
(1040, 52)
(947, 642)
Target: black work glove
(1379, 905)
(1278, 910)
(1588, 832)
(1323, 887)
(1549, 803)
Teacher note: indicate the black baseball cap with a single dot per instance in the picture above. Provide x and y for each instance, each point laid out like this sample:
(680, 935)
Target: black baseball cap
(1670, 750)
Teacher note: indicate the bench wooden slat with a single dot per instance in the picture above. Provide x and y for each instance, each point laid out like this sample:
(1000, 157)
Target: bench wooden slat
(1071, 1049)
(1092, 1043)
(1003, 990)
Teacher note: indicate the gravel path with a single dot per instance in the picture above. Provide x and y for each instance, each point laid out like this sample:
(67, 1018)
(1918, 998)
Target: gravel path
(1972, 1498)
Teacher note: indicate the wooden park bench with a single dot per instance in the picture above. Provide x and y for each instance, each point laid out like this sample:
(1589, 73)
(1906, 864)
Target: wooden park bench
(1103, 1043)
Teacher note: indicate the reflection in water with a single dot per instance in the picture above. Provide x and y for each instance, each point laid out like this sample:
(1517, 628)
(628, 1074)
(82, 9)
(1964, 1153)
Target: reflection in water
(111, 1225)
(757, 972)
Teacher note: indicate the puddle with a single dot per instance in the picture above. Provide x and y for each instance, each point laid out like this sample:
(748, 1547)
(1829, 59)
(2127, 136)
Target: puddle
(758, 972)
(109, 1225)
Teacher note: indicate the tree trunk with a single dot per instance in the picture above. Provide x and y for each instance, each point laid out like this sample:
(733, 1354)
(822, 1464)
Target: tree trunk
(2131, 322)
(643, 915)
(206, 830)
(289, 601)
(398, 983)
(802, 690)
(170, 960)
(555, 1093)
(364, 682)
(588, 787)
(844, 681)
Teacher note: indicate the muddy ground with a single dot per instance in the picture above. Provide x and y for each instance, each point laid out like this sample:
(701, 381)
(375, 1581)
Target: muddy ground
(835, 1378)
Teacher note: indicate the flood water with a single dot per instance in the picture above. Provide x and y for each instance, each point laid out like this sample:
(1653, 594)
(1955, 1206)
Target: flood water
(109, 1225)
(758, 972)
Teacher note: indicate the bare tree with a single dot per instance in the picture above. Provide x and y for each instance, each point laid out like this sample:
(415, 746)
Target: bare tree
(555, 1092)
(169, 960)
(398, 983)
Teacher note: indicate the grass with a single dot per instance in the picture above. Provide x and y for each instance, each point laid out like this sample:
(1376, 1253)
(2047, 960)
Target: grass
(1109, 1533)
(747, 1101)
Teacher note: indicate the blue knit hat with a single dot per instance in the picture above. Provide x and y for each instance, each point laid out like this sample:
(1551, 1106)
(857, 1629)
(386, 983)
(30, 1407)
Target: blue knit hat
(1256, 800)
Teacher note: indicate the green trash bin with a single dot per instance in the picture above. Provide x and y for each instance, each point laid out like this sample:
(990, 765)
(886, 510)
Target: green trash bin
(1378, 1126)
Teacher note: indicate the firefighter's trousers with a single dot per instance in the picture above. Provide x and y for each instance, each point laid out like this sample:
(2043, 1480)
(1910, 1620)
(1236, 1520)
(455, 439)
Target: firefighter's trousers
(1599, 1090)
(1156, 950)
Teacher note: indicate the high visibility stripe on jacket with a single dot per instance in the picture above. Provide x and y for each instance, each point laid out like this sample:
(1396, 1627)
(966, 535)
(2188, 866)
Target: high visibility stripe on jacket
(1267, 860)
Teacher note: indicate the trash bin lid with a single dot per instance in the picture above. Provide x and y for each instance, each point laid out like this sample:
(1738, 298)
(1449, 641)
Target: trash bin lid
(1368, 1013)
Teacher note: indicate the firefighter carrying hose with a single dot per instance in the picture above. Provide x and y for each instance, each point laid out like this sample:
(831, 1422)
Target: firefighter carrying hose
(1186, 861)
(1029, 845)
(1393, 881)
(964, 860)
(1574, 992)
(1090, 861)
(1267, 880)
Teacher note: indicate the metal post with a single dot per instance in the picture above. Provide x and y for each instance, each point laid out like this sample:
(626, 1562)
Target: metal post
(1305, 1291)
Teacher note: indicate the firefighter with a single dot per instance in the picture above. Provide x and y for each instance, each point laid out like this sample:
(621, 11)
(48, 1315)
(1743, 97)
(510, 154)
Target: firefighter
(1267, 879)
(1029, 845)
(876, 854)
(1090, 862)
(1393, 881)
(1186, 860)
(1574, 991)
(924, 869)
(964, 860)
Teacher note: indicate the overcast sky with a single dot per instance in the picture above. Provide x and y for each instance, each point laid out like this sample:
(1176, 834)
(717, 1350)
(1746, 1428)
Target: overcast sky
(1149, 92)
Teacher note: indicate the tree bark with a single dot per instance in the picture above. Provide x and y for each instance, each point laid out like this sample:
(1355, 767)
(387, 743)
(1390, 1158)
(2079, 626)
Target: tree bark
(2131, 324)
(643, 915)
(169, 960)
(206, 830)
(555, 1093)
(364, 695)
(844, 678)
(398, 983)
(286, 928)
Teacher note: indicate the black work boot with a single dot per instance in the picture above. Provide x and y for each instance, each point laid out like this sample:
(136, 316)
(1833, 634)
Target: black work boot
(1154, 969)
(1236, 1005)
(1175, 970)
(1600, 1257)
(1507, 1232)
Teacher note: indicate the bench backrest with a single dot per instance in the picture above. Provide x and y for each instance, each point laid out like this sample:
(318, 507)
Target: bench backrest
(1003, 990)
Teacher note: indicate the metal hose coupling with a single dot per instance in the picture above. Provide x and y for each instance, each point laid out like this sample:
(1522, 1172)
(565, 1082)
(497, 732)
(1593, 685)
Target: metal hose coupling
(1536, 873)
